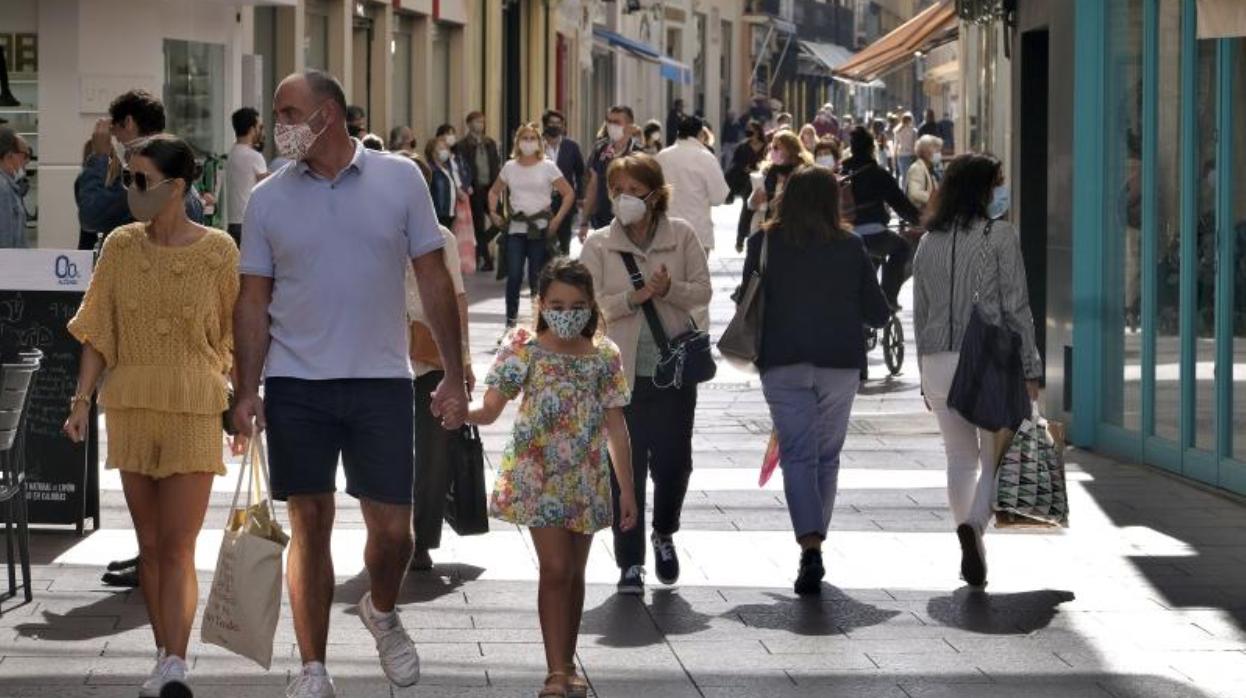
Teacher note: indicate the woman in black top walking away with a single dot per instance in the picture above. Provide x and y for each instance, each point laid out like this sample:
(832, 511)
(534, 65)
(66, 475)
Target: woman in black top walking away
(873, 190)
(820, 289)
(969, 258)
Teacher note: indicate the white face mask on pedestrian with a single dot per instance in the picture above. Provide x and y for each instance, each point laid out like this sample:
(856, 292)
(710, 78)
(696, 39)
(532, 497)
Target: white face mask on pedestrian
(630, 209)
(295, 140)
(529, 146)
(615, 132)
(567, 324)
(827, 161)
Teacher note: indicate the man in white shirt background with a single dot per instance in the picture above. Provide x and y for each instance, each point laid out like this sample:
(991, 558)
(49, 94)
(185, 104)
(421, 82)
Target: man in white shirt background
(697, 185)
(244, 168)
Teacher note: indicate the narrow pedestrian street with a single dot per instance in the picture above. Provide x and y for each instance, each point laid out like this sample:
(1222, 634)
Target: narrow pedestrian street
(1145, 594)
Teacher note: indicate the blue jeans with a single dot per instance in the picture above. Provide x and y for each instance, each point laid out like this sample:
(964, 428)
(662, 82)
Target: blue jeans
(810, 408)
(518, 250)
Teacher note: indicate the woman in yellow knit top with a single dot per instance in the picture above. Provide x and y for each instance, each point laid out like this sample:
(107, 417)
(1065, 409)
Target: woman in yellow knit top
(156, 323)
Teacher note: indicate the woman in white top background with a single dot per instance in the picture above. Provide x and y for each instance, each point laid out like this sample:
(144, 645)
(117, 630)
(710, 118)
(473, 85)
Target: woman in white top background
(529, 179)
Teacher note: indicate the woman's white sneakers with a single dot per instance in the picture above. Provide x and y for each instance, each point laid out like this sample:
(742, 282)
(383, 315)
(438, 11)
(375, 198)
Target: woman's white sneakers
(399, 659)
(167, 680)
(312, 682)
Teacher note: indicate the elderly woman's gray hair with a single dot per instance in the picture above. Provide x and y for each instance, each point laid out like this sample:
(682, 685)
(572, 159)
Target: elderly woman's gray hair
(927, 146)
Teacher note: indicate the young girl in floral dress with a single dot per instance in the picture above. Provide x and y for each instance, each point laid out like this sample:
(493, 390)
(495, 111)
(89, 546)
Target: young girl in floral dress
(554, 476)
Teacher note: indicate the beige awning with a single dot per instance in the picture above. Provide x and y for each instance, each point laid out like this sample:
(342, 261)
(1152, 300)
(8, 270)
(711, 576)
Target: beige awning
(927, 29)
(1221, 19)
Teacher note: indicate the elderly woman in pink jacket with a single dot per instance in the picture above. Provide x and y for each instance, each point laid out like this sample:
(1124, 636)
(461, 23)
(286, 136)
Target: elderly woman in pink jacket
(677, 281)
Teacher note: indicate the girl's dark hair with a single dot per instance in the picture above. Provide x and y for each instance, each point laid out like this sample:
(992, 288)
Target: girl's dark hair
(172, 156)
(809, 208)
(573, 273)
(443, 130)
(965, 192)
(861, 141)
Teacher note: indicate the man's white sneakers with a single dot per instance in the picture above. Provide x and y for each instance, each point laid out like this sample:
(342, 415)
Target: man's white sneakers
(399, 659)
(313, 682)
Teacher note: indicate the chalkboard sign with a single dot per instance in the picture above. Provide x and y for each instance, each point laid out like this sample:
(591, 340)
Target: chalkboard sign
(40, 290)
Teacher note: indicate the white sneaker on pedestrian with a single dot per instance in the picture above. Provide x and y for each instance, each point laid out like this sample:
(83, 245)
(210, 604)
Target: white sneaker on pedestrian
(399, 659)
(151, 687)
(312, 682)
(168, 680)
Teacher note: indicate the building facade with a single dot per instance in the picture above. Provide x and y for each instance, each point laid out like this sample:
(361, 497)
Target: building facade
(1130, 192)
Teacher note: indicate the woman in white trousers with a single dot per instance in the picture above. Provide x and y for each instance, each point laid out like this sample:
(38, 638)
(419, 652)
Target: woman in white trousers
(969, 255)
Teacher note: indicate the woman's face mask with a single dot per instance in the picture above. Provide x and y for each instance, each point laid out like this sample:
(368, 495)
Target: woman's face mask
(826, 161)
(146, 205)
(529, 146)
(1001, 199)
(630, 209)
(567, 324)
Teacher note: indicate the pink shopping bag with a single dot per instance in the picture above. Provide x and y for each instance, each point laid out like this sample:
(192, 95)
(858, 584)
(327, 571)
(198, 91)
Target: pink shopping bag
(771, 459)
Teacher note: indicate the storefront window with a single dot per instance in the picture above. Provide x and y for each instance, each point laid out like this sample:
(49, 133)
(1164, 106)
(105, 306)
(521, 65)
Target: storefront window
(400, 98)
(1238, 223)
(439, 108)
(1122, 276)
(316, 41)
(194, 93)
(1205, 139)
(1168, 226)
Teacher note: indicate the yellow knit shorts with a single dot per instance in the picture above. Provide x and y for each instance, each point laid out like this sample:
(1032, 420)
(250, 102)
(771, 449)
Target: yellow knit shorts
(160, 444)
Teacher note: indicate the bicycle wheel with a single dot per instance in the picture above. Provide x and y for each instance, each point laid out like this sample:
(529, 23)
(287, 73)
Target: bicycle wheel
(893, 345)
(871, 339)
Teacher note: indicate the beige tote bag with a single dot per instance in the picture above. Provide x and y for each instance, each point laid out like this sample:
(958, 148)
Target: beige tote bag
(245, 599)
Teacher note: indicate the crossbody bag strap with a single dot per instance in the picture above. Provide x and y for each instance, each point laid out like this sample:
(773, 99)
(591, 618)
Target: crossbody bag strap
(651, 312)
(986, 240)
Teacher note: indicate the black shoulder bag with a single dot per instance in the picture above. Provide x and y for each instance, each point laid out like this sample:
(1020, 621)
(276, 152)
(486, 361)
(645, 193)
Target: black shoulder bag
(685, 359)
(988, 389)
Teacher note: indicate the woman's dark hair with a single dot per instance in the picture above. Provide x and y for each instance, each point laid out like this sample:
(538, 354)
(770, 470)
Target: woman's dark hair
(172, 156)
(568, 271)
(443, 130)
(861, 141)
(965, 192)
(809, 208)
(373, 142)
(653, 126)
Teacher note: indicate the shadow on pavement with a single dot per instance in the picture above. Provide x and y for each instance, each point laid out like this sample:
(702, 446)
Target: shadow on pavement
(998, 614)
(104, 617)
(621, 621)
(832, 613)
(1211, 524)
(418, 587)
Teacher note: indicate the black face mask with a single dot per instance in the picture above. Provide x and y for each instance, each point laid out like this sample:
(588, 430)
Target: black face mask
(553, 131)
(782, 169)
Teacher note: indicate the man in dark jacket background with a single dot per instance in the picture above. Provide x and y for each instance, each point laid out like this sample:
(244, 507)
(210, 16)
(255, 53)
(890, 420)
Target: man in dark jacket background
(567, 155)
(480, 152)
(873, 190)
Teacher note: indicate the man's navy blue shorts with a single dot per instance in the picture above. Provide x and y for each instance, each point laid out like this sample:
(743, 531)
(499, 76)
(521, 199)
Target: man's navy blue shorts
(367, 422)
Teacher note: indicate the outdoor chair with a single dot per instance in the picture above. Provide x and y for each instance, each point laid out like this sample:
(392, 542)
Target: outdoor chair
(15, 382)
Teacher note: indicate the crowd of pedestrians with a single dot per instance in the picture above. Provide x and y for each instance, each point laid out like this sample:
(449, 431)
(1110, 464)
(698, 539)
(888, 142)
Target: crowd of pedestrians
(332, 317)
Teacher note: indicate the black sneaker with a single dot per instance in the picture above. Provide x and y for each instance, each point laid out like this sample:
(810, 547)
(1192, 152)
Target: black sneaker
(632, 581)
(809, 578)
(972, 557)
(666, 561)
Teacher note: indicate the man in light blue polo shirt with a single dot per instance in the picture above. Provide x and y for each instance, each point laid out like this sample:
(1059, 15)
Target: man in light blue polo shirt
(322, 315)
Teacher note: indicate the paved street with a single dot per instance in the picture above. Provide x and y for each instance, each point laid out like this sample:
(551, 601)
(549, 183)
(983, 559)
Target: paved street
(1144, 596)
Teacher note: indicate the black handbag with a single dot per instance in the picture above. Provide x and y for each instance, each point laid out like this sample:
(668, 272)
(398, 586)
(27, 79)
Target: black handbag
(685, 359)
(467, 509)
(988, 389)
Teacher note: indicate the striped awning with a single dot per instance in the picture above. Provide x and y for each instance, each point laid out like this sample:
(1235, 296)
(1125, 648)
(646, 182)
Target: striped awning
(934, 26)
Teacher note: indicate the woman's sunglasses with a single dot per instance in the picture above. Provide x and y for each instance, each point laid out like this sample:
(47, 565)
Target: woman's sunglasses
(139, 180)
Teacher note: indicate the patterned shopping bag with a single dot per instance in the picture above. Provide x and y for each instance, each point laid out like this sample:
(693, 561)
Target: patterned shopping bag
(1029, 482)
